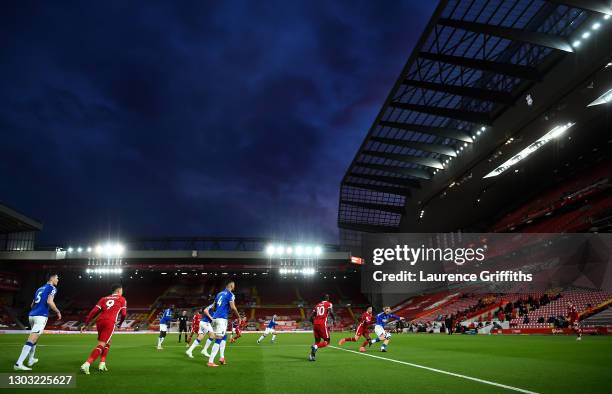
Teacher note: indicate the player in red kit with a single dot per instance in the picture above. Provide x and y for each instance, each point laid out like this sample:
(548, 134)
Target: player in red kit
(195, 325)
(107, 310)
(237, 327)
(319, 325)
(362, 330)
(573, 318)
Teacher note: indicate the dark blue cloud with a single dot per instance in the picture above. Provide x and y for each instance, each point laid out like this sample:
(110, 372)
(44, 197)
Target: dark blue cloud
(195, 118)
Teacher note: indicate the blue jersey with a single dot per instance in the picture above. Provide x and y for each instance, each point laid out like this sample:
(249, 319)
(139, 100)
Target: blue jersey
(382, 318)
(272, 324)
(40, 307)
(205, 318)
(222, 304)
(166, 317)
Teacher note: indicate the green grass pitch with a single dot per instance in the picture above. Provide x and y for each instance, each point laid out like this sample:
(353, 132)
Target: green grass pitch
(543, 364)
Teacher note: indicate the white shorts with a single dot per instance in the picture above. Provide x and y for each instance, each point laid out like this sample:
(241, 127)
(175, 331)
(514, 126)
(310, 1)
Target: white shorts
(37, 324)
(163, 327)
(269, 330)
(205, 328)
(379, 330)
(219, 327)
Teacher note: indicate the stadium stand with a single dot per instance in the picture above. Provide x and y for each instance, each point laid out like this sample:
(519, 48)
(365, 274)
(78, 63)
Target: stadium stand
(601, 319)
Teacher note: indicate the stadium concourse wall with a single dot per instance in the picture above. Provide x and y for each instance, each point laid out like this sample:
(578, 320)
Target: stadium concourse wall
(553, 331)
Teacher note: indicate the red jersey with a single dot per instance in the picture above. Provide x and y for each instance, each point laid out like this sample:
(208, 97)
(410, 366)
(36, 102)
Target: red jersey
(239, 324)
(572, 312)
(109, 308)
(321, 310)
(366, 318)
(195, 322)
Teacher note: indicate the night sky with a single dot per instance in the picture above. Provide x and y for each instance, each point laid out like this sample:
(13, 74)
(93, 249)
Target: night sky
(139, 119)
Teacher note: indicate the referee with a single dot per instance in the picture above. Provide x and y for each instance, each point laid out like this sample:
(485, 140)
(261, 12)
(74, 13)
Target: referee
(183, 325)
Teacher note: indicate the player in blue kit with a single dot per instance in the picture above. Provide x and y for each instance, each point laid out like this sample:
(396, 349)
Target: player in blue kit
(164, 322)
(269, 330)
(224, 302)
(379, 328)
(39, 314)
(204, 329)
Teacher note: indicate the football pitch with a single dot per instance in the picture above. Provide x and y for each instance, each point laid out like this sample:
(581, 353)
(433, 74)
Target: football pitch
(414, 363)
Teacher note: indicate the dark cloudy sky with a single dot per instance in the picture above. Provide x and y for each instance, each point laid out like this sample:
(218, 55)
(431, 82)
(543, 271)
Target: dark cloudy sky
(191, 118)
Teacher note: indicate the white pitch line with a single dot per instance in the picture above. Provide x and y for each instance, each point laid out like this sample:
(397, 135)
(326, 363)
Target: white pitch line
(505, 386)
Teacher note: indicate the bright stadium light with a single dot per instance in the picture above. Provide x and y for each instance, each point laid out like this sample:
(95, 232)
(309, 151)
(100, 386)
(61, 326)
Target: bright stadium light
(79, 249)
(586, 35)
(308, 250)
(603, 99)
(98, 249)
(318, 250)
(299, 250)
(552, 134)
(280, 250)
(270, 250)
(89, 249)
(289, 250)
(70, 250)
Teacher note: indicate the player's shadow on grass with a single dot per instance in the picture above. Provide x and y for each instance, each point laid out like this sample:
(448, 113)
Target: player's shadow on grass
(294, 358)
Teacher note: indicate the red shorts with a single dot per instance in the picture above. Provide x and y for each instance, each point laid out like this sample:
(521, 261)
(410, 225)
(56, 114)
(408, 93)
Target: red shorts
(320, 331)
(362, 331)
(105, 330)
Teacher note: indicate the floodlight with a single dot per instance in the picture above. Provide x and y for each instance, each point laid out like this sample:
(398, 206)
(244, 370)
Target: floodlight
(318, 250)
(603, 99)
(70, 250)
(270, 250)
(552, 134)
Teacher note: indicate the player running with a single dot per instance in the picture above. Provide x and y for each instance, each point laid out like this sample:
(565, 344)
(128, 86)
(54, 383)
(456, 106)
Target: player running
(362, 330)
(379, 328)
(204, 328)
(224, 301)
(270, 329)
(164, 322)
(237, 326)
(39, 313)
(573, 319)
(107, 309)
(195, 325)
(320, 331)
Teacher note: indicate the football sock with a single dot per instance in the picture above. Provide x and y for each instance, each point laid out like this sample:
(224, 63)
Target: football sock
(273, 338)
(194, 345)
(24, 352)
(261, 338)
(104, 353)
(222, 347)
(375, 340)
(214, 351)
(95, 354)
(207, 345)
(32, 352)
(322, 344)
(351, 339)
(365, 343)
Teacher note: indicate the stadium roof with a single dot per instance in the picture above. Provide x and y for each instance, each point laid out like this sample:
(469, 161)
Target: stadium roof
(12, 221)
(474, 60)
